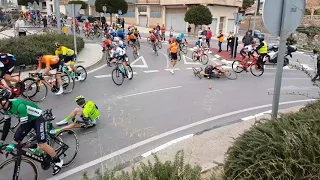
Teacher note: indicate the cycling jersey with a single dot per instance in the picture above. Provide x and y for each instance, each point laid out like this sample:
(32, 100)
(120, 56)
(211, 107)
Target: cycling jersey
(118, 52)
(136, 32)
(174, 48)
(48, 60)
(132, 37)
(181, 36)
(153, 37)
(90, 110)
(64, 51)
(27, 111)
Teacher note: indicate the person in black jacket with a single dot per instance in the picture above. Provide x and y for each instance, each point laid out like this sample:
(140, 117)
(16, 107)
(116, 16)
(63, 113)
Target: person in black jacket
(315, 52)
(229, 39)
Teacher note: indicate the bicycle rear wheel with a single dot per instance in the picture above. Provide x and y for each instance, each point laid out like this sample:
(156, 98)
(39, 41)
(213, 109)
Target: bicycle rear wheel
(117, 76)
(67, 83)
(204, 59)
(83, 72)
(27, 82)
(237, 66)
(69, 138)
(184, 49)
(196, 73)
(130, 71)
(7, 169)
(255, 70)
(230, 74)
(36, 91)
(159, 44)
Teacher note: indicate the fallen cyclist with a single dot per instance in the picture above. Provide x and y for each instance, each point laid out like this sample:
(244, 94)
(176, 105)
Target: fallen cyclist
(88, 111)
(211, 71)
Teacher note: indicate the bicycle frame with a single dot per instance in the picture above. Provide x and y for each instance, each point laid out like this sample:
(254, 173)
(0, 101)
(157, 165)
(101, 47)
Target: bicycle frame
(40, 79)
(19, 79)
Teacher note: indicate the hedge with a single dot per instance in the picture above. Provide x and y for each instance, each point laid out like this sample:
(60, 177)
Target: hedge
(283, 148)
(176, 170)
(25, 48)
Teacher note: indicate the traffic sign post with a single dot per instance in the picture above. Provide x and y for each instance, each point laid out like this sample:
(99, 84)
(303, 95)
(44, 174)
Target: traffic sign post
(281, 18)
(73, 10)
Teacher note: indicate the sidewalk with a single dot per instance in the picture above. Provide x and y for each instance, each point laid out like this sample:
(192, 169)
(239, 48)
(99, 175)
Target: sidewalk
(208, 149)
(89, 56)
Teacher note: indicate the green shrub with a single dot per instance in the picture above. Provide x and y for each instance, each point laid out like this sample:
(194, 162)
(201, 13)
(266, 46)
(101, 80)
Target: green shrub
(25, 48)
(309, 31)
(307, 12)
(283, 148)
(317, 12)
(291, 41)
(176, 170)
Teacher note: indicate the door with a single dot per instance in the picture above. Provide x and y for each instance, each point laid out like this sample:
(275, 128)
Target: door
(213, 26)
(175, 19)
(230, 25)
(221, 24)
(143, 21)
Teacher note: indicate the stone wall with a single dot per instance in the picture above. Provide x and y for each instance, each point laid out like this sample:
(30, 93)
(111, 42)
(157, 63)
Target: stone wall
(303, 41)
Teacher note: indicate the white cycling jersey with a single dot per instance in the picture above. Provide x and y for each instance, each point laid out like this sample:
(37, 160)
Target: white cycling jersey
(117, 52)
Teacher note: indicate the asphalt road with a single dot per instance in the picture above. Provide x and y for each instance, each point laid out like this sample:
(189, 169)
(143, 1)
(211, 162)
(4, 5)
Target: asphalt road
(155, 102)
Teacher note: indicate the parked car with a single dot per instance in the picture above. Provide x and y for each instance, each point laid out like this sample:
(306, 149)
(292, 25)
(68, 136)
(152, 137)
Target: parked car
(91, 19)
(79, 17)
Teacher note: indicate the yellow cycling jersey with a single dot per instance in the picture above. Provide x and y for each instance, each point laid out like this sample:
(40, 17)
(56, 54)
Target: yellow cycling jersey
(90, 110)
(64, 51)
(136, 31)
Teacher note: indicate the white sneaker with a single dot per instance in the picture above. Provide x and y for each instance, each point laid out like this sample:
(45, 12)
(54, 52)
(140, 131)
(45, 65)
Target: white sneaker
(129, 75)
(57, 167)
(138, 53)
(171, 70)
(63, 122)
(60, 91)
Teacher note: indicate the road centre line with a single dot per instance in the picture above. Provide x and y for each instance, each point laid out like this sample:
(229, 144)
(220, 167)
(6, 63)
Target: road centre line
(151, 71)
(175, 69)
(146, 92)
(165, 134)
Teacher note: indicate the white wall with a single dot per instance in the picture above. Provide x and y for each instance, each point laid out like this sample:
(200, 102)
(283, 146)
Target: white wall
(223, 11)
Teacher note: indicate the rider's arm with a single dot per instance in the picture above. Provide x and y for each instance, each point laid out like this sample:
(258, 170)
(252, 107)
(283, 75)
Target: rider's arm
(23, 113)
(47, 69)
(39, 67)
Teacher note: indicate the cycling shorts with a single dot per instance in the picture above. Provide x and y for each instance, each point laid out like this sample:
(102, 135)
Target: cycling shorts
(7, 68)
(90, 123)
(133, 40)
(70, 58)
(174, 56)
(37, 124)
(57, 66)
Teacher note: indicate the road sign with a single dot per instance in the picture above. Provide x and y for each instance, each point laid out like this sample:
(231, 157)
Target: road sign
(119, 12)
(77, 8)
(272, 13)
(104, 8)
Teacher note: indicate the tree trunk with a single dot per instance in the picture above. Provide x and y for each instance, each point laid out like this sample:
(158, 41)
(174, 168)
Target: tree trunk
(312, 13)
(110, 19)
(258, 7)
(195, 30)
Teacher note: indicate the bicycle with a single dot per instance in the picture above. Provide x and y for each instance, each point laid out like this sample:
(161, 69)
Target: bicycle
(89, 34)
(13, 123)
(200, 56)
(154, 48)
(20, 155)
(135, 51)
(39, 81)
(83, 72)
(120, 72)
(220, 72)
(183, 47)
(239, 66)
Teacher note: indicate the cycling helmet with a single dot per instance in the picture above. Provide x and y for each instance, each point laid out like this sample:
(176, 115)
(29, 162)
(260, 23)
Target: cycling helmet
(116, 39)
(57, 44)
(80, 100)
(39, 54)
(261, 39)
(151, 31)
(5, 95)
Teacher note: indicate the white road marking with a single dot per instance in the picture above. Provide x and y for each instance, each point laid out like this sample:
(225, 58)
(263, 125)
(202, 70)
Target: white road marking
(160, 136)
(188, 68)
(103, 76)
(175, 69)
(226, 62)
(151, 71)
(165, 55)
(146, 92)
(192, 62)
(217, 56)
(159, 148)
(141, 58)
(296, 78)
(307, 67)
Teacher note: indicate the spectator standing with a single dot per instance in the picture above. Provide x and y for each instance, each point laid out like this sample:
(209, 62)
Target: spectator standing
(189, 30)
(163, 33)
(122, 23)
(45, 22)
(247, 39)
(220, 41)
(208, 36)
(234, 41)
(19, 27)
(229, 39)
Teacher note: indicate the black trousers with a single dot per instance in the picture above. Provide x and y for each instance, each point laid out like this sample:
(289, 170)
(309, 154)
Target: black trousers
(233, 54)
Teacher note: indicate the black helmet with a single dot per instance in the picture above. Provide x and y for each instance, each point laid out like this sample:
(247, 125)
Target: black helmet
(261, 38)
(5, 95)
(39, 54)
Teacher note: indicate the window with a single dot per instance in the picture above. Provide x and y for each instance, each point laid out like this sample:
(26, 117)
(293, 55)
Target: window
(221, 24)
(142, 9)
(131, 12)
(155, 11)
(44, 5)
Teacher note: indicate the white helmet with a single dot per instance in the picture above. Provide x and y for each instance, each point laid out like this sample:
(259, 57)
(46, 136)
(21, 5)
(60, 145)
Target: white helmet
(116, 39)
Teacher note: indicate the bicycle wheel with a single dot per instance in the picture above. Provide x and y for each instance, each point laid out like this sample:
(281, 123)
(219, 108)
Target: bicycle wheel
(117, 76)
(229, 74)
(196, 73)
(67, 83)
(97, 34)
(204, 59)
(237, 66)
(91, 35)
(36, 91)
(184, 49)
(255, 70)
(179, 55)
(27, 82)
(83, 72)
(69, 138)
(7, 169)
(159, 44)
(135, 54)
(194, 56)
(130, 71)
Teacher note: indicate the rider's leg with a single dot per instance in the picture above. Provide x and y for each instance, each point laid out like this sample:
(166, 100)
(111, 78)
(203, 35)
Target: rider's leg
(73, 114)
(59, 80)
(8, 79)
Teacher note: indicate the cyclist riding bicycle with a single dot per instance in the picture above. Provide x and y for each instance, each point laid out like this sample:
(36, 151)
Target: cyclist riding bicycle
(30, 118)
(120, 32)
(133, 41)
(106, 43)
(89, 112)
(136, 32)
(7, 65)
(51, 62)
(87, 26)
(119, 42)
(119, 54)
(65, 54)
(262, 50)
(153, 38)
(180, 37)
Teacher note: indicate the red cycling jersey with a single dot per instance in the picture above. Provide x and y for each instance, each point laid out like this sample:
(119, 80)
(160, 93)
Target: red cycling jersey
(153, 37)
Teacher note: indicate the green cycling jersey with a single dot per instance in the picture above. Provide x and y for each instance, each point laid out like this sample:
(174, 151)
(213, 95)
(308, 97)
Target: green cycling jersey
(27, 111)
(90, 110)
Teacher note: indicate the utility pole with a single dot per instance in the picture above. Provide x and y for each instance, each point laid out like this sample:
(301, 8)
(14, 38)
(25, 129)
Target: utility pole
(57, 4)
(254, 19)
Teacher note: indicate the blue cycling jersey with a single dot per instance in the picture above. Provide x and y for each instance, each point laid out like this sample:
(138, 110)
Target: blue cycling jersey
(181, 36)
